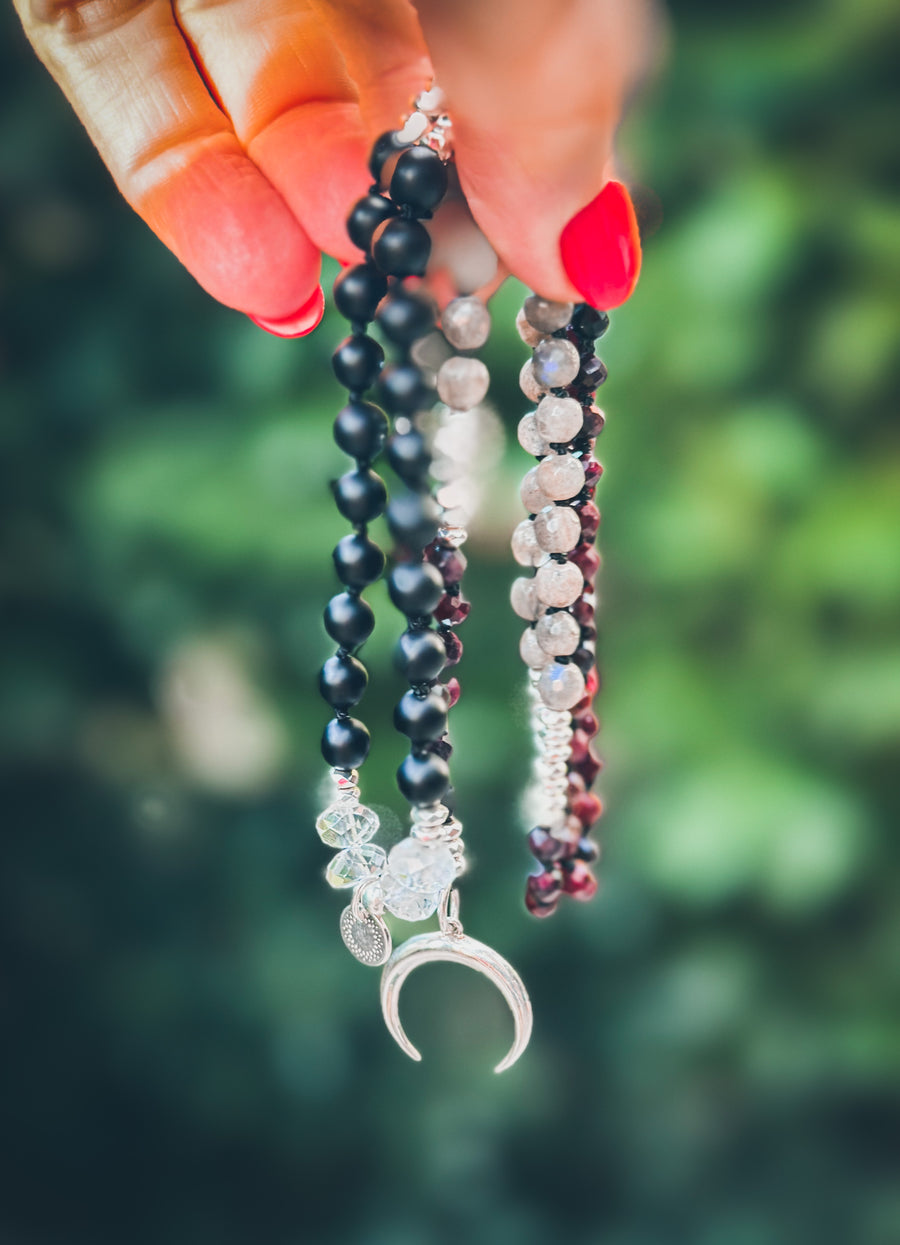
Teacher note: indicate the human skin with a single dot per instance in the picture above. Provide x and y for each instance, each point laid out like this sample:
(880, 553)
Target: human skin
(239, 129)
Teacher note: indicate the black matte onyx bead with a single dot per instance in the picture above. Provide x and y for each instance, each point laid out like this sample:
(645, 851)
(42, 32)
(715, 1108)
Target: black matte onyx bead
(403, 389)
(361, 430)
(413, 519)
(423, 780)
(345, 743)
(357, 361)
(386, 145)
(405, 316)
(420, 656)
(349, 620)
(419, 180)
(408, 455)
(402, 248)
(360, 495)
(342, 681)
(366, 216)
(357, 560)
(590, 322)
(358, 291)
(421, 718)
(415, 588)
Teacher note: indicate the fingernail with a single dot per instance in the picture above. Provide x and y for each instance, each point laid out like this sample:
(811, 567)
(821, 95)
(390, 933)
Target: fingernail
(601, 248)
(299, 323)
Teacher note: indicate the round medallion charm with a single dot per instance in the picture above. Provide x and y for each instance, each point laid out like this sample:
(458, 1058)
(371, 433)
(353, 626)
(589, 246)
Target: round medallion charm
(366, 937)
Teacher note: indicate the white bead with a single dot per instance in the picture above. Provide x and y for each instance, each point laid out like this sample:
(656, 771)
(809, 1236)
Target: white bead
(531, 652)
(561, 687)
(528, 384)
(558, 529)
(525, 549)
(546, 316)
(346, 823)
(558, 419)
(530, 439)
(466, 323)
(462, 383)
(524, 599)
(533, 496)
(558, 583)
(558, 633)
(556, 363)
(560, 476)
(355, 863)
(528, 333)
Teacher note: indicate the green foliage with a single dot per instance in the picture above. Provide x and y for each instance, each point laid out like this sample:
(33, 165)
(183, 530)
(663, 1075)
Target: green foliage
(191, 1056)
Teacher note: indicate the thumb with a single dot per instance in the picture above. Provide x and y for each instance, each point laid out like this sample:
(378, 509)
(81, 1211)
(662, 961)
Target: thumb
(536, 91)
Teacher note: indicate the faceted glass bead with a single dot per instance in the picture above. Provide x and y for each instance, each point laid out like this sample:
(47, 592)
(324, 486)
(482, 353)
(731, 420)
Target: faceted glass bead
(558, 529)
(466, 323)
(561, 686)
(525, 549)
(405, 903)
(462, 383)
(347, 823)
(560, 476)
(530, 439)
(545, 315)
(355, 863)
(426, 867)
(558, 419)
(558, 583)
(556, 363)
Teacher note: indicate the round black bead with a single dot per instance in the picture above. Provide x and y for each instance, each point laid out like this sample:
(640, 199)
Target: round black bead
(358, 291)
(342, 681)
(357, 560)
(415, 587)
(349, 620)
(360, 495)
(403, 389)
(366, 216)
(413, 519)
(345, 743)
(419, 179)
(405, 316)
(590, 322)
(357, 361)
(386, 145)
(423, 780)
(420, 656)
(361, 430)
(422, 718)
(402, 248)
(408, 455)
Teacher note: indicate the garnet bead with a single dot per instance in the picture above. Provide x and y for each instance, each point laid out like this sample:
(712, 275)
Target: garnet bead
(453, 646)
(590, 322)
(587, 559)
(349, 620)
(402, 248)
(587, 807)
(538, 909)
(450, 562)
(452, 610)
(544, 846)
(589, 517)
(579, 882)
(452, 690)
(545, 886)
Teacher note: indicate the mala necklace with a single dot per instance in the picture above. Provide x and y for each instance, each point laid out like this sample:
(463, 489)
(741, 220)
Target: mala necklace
(427, 524)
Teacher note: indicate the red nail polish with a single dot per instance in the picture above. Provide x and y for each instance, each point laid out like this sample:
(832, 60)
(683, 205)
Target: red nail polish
(299, 323)
(601, 248)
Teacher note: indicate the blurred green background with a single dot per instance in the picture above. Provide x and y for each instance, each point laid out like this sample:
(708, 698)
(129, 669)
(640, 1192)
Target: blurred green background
(190, 1055)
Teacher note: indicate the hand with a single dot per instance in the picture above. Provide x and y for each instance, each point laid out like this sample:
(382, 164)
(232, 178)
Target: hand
(239, 129)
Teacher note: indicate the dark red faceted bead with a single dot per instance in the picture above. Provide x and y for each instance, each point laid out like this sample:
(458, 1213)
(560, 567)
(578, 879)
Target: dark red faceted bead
(580, 745)
(584, 657)
(588, 633)
(452, 689)
(588, 768)
(583, 612)
(587, 559)
(588, 850)
(450, 562)
(441, 747)
(544, 846)
(452, 609)
(579, 882)
(570, 835)
(592, 682)
(587, 807)
(575, 787)
(590, 519)
(453, 644)
(586, 722)
(594, 421)
(546, 885)
(538, 909)
(593, 373)
(592, 471)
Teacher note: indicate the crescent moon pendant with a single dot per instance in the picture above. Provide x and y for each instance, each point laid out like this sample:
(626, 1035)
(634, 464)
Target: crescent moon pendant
(454, 948)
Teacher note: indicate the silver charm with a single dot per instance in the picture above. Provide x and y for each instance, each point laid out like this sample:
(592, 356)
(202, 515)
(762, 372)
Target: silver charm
(365, 934)
(450, 944)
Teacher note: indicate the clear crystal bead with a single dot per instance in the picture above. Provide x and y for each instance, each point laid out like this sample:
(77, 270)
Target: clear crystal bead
(355, 863)
(406, 903)
(346, 823)
(426, 867)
